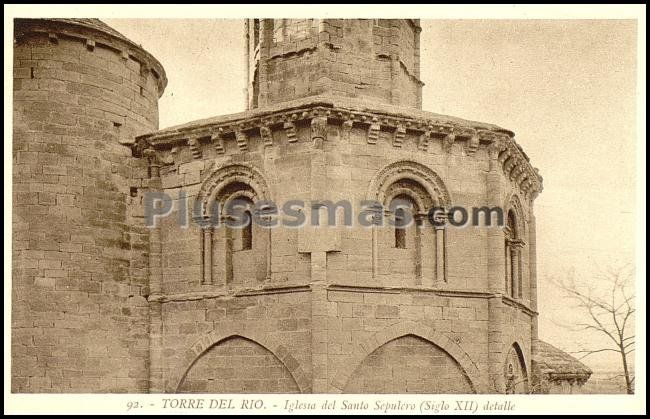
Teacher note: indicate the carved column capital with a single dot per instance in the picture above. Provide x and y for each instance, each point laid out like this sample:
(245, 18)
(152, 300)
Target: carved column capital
(440, 220)
(515, 244)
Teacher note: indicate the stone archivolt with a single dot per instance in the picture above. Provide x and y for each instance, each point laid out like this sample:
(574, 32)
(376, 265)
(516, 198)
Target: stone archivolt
(521, 216)
(226, 175)
(422, 175)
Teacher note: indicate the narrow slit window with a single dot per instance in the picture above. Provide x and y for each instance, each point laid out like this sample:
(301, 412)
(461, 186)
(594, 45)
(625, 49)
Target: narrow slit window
(400, 230)
(247, 233)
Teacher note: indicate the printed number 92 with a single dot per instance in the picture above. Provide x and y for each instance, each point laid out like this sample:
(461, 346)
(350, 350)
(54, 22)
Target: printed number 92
(132, 405)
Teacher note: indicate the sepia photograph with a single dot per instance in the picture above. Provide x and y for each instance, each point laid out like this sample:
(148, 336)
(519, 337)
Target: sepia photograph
(413, 210)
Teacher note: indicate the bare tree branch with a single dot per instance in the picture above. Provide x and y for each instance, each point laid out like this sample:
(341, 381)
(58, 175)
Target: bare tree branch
(608, 302)
(595, 351)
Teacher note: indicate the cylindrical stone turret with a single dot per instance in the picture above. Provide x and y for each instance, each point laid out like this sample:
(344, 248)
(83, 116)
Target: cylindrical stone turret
(82, 92)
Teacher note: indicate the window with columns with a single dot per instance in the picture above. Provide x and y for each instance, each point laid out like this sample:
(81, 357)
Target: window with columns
(235, 248)
(406, 248)
(513, 257)
(404, 238)
(410, 248)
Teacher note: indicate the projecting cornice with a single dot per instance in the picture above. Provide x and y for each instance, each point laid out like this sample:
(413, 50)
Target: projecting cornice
(426, 127)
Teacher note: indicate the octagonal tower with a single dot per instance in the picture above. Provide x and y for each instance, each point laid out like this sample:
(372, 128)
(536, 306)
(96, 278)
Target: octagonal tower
(333, 115)
(369, 59)
(103, 303)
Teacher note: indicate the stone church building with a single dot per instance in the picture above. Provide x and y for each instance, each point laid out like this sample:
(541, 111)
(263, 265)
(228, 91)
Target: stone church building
(103, 303)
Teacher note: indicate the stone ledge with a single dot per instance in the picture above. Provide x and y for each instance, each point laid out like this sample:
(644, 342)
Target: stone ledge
(518, 304)
(202, 295)
(436, 291)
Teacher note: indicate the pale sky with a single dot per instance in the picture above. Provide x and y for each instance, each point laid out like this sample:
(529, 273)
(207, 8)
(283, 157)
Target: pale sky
(566, 88)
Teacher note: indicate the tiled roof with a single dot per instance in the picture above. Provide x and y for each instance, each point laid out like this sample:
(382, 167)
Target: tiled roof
(556, 363)
(338, 102)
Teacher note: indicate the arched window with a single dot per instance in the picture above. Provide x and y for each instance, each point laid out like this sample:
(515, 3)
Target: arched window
(235, 249)
(416, 254)
(515, 372)
(405, 238)
(513, 245)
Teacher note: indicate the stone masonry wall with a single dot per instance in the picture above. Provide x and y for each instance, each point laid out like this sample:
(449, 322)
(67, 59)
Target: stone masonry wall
(357, 165)
(373, 59)
(408, 365)
(361, 313)
(238, 365)
(285, 168)
(349, 168)
(277, 325)
(79, 313)
(370, 319)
